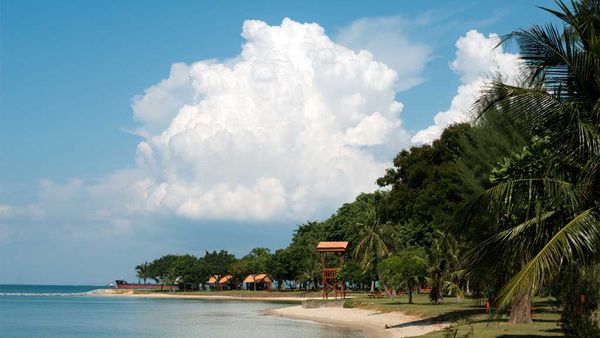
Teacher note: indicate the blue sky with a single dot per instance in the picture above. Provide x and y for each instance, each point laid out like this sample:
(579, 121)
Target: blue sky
(69, 71)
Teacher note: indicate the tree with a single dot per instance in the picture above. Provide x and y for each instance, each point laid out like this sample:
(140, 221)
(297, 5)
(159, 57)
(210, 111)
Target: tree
(283, 266)
(353, 273)
(303, 252)
(218, 263)
(443, 268)
(580, 300)
(162, 267)
(405, 269)
(375, 243)
(427, 188)
(545, 200)
(190, 271)
(143, 271)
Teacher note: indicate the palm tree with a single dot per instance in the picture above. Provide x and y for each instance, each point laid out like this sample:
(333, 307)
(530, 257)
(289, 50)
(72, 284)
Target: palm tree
(375, 243)
(546, 197)
(143, 271)
(443, 269)
(171, 277)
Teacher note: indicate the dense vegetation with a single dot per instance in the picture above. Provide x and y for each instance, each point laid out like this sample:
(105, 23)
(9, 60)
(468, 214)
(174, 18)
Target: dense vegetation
(505, 207)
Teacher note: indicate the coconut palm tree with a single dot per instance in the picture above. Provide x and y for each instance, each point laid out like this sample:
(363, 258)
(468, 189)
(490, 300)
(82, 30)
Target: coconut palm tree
(545, 200)
(143, 271)
(444, 274)
(375, 243)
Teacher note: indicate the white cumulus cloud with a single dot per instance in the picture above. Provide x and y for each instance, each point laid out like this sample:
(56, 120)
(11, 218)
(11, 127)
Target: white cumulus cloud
(290, 128)
(478, 61)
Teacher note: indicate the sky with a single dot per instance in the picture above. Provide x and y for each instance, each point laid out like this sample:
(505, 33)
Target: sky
(132, 129)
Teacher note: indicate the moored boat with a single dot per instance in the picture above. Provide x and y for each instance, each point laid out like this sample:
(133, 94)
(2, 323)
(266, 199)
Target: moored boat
(122, 284)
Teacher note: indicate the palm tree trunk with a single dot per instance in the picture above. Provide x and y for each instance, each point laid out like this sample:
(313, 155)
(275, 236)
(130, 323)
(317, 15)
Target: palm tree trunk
(410, 301)
(520, 310)
(372, 286)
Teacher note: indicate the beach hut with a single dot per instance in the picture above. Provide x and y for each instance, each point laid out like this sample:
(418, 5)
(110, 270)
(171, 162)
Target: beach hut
(213, 282)
(260, 281)
(226, 282)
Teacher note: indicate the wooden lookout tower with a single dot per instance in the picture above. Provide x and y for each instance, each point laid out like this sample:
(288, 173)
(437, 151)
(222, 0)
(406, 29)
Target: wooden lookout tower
(330, 281)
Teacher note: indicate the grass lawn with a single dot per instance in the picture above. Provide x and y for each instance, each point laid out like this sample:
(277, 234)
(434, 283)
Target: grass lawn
(545, 318)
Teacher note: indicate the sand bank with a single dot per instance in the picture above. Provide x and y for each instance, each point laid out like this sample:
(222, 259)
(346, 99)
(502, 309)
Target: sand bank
(373, 323)
(208, 296)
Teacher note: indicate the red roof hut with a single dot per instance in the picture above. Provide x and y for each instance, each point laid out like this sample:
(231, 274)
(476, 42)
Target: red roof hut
(259, 281)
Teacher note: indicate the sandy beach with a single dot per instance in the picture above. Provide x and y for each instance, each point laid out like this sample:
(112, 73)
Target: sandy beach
(130, 293)
(373, 323)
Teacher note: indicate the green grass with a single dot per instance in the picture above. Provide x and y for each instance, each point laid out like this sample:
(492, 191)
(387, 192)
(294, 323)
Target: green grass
(545, 318)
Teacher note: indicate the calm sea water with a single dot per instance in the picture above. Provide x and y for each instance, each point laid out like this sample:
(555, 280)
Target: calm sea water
(87, 316)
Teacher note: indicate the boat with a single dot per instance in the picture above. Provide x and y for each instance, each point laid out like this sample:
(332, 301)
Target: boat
(122, 284)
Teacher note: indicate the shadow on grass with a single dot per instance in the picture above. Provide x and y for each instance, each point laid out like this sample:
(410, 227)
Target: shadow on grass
(520, 336)
(446, 317)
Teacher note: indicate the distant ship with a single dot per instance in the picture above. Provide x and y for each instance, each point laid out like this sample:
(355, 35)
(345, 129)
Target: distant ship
(122, 284)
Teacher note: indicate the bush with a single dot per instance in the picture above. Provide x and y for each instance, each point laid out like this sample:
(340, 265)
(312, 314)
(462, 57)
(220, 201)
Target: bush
(579, 294)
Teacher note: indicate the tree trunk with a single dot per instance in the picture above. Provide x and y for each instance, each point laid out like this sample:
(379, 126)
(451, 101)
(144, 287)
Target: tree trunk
(520, 310)
(410, 295)
(372, 286)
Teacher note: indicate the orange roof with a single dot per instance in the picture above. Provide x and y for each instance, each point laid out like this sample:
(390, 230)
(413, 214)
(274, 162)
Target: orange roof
(225, 279)
(332, 246)
(213, 279)
(257, 278)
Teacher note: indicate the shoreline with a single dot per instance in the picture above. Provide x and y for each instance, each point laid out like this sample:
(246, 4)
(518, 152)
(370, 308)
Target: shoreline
(131, 294)
(372, 323)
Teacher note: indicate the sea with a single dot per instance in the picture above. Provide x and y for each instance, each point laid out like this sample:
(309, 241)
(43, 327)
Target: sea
(69, 311)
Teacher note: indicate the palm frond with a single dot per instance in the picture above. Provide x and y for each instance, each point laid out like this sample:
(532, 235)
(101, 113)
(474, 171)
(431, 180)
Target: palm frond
(577, 238)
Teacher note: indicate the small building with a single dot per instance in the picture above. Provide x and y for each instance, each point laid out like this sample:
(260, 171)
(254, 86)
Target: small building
(226, 283)
(213, 282)
(260, 281)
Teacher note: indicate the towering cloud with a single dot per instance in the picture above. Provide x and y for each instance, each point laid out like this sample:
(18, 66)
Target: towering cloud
(477, 62)
(291, 127)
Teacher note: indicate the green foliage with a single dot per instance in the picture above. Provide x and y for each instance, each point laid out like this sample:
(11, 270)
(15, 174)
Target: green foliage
(444, 273)
(580, 297)
(353, 273)
(143, 271)
(256, 261)
(163, 268)
(404, 270)
(284, 266)
(546, 196)
(218, 263)
(456, 329)
(344, 225)
(375, 241)
(427, 188)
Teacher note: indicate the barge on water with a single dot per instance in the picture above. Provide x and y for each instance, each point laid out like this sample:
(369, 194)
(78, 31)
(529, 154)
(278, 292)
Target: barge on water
(122, 284)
